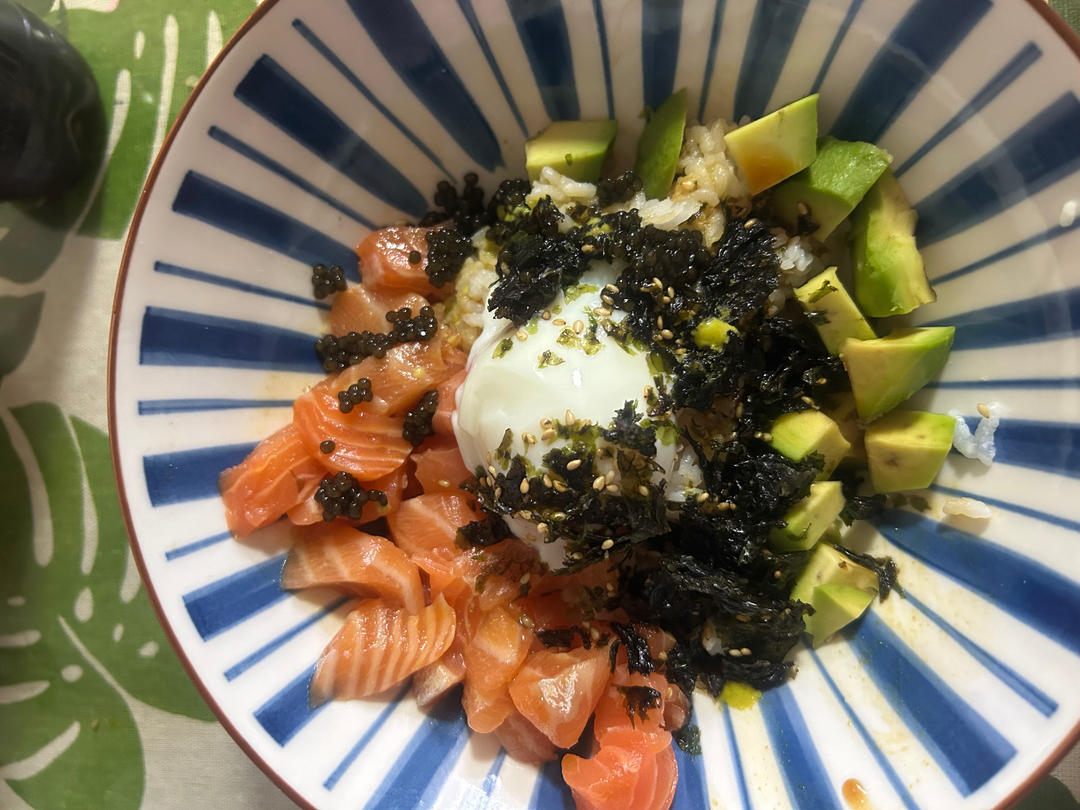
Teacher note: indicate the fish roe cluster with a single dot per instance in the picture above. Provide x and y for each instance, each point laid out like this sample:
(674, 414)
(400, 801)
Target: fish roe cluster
(447, 252)
(339, 352)
(618, 189)
(418, 420)
(341, 495)
(359, 391)
(326, 281)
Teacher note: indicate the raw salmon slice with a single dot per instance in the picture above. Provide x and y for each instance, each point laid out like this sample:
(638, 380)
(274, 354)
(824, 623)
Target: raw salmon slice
(269, 482)
(366, 445)
(496, 645)
(607, 780)
(380, 646)
(523, 741)
(485, 711)
(558, 691)
(442, 422)
(358, 309)
(385, 266)
(400, 377)
(310, 511)
(431, 521)
(357, 562)
(436, 679)
(439, 467)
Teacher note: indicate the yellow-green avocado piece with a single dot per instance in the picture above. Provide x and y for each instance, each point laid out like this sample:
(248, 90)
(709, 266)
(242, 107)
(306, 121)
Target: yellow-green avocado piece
(886, 371)
(713, 332)
(827, 566)
(832, 185)
(659, 146)
(905, 449)
(810, 518)
(889, 275)
(576, 149)
(836, 316)
(801, 434)
(835, 607)
(776, 146)
(841, 409)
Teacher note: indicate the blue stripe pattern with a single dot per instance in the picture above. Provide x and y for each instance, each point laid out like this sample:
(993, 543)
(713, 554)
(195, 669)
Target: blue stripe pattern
(1044, 317)
(772, 31)
(173, 337)
(879, 756)
(187, 475)
(487, 787)
(289, 710)
(605, 56)
(1041, 152)
(413, 52)
(279, 97)
(428, 754)
(1042, 702)
(1049, 446)
(365, 738)
(551, 792)
(326, 53)
(1046, 517)
(1045, 383)
(917, 47)
(736, 759)
(234, 284)
(246, 663)
(804, 774)
(834, 46)
(691, 792)
(196, 545)
(1024, 59)
(1033, 593)
(152, 407)
(541, 26)
(965, 746)
(262, 159)
(493, 65)
(1018, 247)
(226, 208)
(710, 56)
(661, 24)
(223, 604)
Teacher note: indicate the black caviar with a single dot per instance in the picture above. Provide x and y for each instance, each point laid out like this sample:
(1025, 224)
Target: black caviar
(359, 391)
(418, 419)
(327, 446)
(618, 189)
(341, 495)
(339, 352)
(326, 281)
(447, 251)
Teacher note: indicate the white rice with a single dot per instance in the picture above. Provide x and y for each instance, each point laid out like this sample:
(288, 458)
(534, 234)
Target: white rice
(966, 507)
(979, 445)
(705, 175)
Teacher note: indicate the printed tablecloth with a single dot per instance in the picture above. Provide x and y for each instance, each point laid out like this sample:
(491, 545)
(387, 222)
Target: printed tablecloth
(95, 709)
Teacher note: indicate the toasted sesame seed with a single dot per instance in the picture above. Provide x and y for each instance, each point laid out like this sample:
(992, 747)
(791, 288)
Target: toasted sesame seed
(548, 435)
(702, 497)
(492, 470)
(577, 555)
(547, 481)
(560, 486)
(525, 577)
(599, 483)
(487, 458)
(734, 653)
(671, 292)
(498, 492)
(609, 543)
(521, 335)
(745, 651)
(821, 380)
(607, 299)
(643, 490)
(750, 223)
(611, 288)
(657, 283)
(808, 401)
(489, 481)
(587, 248)
(542, 528)
(579, 327)
(569, 417)
(667, 334)
(665, 299)
(984, 410)
(766, 437)
(602, 312)
(558, 322)
(546, 423)
(659, 321)
(444, 483)
(528, 438)
(612, 488)
(559, 516)
(594, 634)
(573, 464)
(546, 314)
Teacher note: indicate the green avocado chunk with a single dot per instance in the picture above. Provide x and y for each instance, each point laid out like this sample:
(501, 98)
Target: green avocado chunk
(777, 145)
(835, 607)
(905, 449)
(836, 316)
(889, 274)
(843, 411)
(827, 566)
(809, 518)
(886, 371)
(576, 149)
(713, 332)
(799, 435)
(659, 146)
(832, 185)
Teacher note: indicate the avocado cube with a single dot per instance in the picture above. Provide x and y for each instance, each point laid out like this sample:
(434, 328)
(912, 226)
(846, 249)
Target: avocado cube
(886, 371)
(905, 449)
(576, 149)
(843, 411)
(660, 145)
(827, 566)
(889, 275)
(809, 519)
(835, 317)
(832, 185)
(713, 332)
(801, 434)
(835, 607)
(777, 145)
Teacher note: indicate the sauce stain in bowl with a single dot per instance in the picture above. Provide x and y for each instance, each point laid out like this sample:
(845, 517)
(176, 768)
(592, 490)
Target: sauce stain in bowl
(855, 795)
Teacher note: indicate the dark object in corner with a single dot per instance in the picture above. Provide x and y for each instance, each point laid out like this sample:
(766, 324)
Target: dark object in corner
(50, 111)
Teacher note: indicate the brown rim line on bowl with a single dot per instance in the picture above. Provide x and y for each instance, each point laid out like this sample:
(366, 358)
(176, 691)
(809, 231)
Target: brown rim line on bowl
(1055, 22)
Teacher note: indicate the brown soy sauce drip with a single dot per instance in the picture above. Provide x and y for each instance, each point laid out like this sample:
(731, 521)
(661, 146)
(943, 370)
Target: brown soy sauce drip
(855, 795)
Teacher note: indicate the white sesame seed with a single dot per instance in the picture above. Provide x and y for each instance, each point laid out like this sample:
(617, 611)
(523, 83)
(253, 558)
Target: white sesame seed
(745, 651)
(573, 464)
(524, 488)
(984, 410)
(657, 283)
(558, 322)
(609, 543)
(546, 314)
(487, 457)
(444, 483)
(602, 312)
(611, 288)
(525, 577)
(643, 490)
(569, 417)
(659, 321)
(559, 516)
(545, 423)
(671, 292)
(665, 299)
(560, 486)
(492, 470)
(542, 528)
(702, 497)
(529, 438)
(522, 335)
(548, 435)
(612, 488)
(547, 481)
(599, 483)
(667, 334)
(607, 299)
(578, 327)
(808, 401)
(609, 476)
(498, 493)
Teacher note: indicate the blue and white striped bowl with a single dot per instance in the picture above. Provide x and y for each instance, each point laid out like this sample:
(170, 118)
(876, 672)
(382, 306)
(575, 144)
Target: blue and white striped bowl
(325, 119)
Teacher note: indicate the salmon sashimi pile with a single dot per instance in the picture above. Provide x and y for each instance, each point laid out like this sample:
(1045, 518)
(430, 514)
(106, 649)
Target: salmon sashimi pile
(589, 446)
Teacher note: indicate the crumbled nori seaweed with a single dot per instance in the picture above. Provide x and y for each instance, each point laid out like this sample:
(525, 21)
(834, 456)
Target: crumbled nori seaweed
(626, 431)
(688, 738)
(564, 637)
(639, 701)
(418, 419)
(326, 281)
(884, 567)
(638, 657)
(341, 495)
(486, 532)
